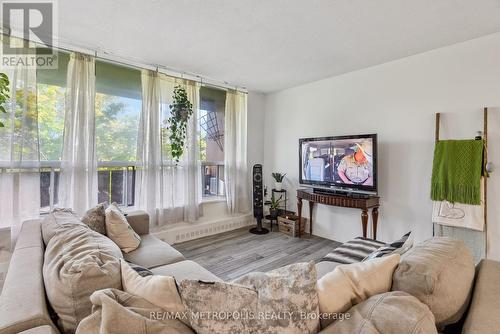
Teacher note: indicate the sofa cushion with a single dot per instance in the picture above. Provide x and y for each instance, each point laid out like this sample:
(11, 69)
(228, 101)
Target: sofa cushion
(440, 273)
(387, 313)
(159, 290)
(57, 220)
(289, 292)
(95, 218)
(186, 270)
(483, 314)
(119, 230)
(139, 220)
(153, 252)
(324, 267)
(78, 261)
(350, 284)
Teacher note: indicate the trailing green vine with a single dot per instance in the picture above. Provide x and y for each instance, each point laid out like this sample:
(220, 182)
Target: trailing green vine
(4, 93)
(181, 110)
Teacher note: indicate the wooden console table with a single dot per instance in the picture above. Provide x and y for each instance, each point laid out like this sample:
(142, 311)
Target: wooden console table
(362, 203)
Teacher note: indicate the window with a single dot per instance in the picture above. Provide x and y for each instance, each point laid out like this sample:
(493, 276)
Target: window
(211, 128)
(118, 106)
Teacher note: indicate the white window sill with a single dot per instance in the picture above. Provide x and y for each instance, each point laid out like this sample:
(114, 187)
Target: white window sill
(213, 199)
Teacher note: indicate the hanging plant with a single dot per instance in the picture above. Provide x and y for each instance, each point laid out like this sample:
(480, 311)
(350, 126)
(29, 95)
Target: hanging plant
(4, 93)
(180, 109)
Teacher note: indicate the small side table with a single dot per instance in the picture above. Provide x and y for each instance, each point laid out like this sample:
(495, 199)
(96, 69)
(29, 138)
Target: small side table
(271, 219)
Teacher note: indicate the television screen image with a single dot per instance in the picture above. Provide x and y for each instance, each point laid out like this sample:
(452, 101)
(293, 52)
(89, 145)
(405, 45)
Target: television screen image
(346, 161)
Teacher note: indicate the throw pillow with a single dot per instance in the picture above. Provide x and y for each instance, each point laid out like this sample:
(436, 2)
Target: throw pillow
(440, 273)
(95, 218)
(284, 300)
(119, 230)
(144, 272)
(388, 313)
(156, 289)
(350, 284)
(77, 262)
(399, 246)
(59, 219)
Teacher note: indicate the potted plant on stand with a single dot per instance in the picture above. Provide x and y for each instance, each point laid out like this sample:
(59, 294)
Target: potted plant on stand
(278, 178)
(274, 205)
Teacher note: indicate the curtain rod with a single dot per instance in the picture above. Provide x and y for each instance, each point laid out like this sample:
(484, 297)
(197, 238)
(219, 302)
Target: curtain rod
(131, 62)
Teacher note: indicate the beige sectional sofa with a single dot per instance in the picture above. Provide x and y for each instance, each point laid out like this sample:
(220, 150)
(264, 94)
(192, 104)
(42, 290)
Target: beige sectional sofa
(24, 307)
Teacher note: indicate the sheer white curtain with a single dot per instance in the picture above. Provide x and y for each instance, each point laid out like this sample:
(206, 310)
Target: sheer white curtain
(169, 193)
(191, 159)
(19, 151)
(149, 177)
(78, 178)
(235, 157)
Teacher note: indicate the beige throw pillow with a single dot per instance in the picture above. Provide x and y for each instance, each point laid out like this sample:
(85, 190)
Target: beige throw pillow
(158, 290)
(350, 284)
(119, 230)
(78, 261)
(440, 273)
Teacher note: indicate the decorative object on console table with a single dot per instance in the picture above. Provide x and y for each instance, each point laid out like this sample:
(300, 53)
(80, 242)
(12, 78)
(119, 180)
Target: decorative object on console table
(355, 201)
(289, 224)
(278, 178)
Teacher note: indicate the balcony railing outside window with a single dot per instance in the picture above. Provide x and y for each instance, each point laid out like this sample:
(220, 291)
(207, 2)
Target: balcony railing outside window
(116, 183)
(212, 179)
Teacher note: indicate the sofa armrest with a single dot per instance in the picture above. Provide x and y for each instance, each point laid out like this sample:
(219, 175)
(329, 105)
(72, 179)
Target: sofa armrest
(485, 306)
(139, 221)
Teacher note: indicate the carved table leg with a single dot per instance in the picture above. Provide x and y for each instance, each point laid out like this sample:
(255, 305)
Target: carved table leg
(299, 213)
(375, 221)
(311, 206)
(364, 221)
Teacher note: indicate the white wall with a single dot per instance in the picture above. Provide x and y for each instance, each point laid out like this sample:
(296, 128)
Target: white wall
(255, 129)
(398, 101)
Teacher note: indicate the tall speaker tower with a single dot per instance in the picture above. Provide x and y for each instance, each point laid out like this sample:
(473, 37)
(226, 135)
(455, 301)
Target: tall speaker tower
(258, 200)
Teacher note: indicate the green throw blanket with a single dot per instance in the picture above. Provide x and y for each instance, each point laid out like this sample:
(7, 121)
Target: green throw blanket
(457, 171)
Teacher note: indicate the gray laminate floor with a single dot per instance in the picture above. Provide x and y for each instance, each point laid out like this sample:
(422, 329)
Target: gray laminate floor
(232, 254)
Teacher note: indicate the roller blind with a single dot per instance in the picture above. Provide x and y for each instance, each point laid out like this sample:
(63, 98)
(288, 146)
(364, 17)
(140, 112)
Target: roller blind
(55, 77)
(111, 79)
(117, 80)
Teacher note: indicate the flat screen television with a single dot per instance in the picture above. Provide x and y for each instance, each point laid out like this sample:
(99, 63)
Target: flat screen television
(344, 163)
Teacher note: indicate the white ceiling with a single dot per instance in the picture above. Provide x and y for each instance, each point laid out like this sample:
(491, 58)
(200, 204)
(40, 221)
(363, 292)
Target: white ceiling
(268, 45)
